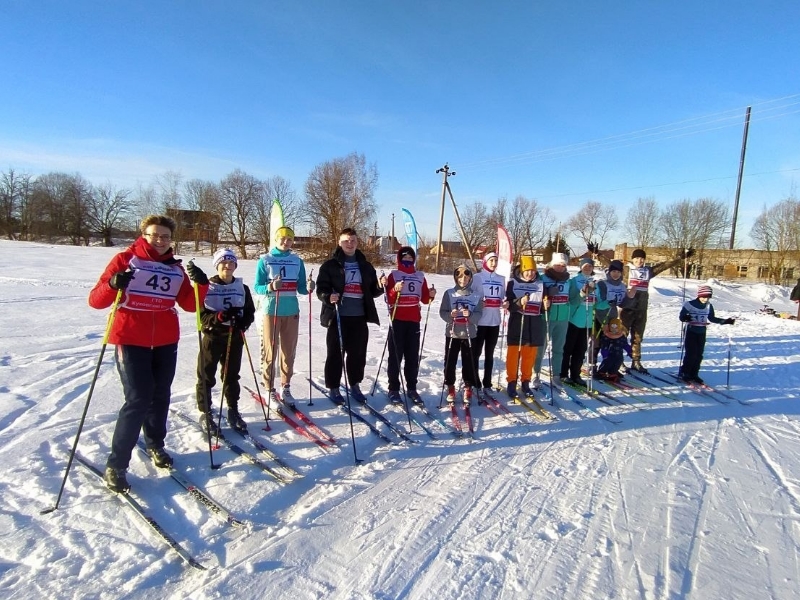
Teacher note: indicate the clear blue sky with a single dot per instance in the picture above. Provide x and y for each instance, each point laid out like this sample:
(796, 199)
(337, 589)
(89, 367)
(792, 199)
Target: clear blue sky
(559, 101)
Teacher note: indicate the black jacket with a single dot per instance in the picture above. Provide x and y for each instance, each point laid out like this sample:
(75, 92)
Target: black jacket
(330, 279)
(247, 314)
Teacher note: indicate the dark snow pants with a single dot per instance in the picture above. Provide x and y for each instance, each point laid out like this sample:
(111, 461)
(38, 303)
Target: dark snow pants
(355, 337)
(403, 345)
(146, 375)
(694, 345)
(213, 353)
(487, 337)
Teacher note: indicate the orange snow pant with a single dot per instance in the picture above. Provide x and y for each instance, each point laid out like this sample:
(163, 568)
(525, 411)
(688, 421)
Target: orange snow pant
(526, 362)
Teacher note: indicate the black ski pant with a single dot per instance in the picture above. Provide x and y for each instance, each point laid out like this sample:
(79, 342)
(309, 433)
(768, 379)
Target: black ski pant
(453, 348)
(213, 353)
(574, 351)
(355, 337)
(694, 346)
(146, 375)
(635, 321)
(486, 338)
(403, 346)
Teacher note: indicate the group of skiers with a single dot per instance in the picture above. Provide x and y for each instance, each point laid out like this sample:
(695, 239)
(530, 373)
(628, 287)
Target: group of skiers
(146, 281)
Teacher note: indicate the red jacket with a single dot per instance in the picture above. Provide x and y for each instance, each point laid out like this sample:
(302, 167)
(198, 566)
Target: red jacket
(414, 291)
(147, 328)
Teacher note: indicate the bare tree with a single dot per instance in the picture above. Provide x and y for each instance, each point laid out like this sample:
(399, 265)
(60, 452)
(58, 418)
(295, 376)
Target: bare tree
(478, 228)
(275, 188)
(203, 196)
(697, 224)
(642, 222)
(106, 207)
(528, 223)
(777, 230)
(239, 194)
(60, 201)
(13, 188)
(593, 222)
(340, 193)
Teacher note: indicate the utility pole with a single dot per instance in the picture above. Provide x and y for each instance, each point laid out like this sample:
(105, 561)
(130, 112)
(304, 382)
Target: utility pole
(445, 171)
(739, 182)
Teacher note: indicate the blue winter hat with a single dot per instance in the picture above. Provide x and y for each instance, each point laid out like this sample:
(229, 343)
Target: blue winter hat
(586, 261)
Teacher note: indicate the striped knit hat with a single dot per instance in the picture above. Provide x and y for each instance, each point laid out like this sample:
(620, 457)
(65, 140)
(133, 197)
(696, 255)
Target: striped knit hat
(704, 291)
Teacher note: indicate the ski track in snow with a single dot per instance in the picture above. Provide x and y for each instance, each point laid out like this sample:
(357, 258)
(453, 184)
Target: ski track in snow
(689, 499)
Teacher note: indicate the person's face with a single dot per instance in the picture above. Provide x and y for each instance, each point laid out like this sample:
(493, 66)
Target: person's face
(348, 244)
(285, 243)
(559, 268)
(704, 300)
(638, 262)
(225, 269)
(463, 280)
(159, 237)
(587, 269)
(615, 275)
(527, 274)
(492, 263)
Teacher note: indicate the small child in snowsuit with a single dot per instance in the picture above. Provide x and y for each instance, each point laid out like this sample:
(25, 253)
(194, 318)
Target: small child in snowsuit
(697, 314)
(461, 309)
(226, 314)
(613, 347)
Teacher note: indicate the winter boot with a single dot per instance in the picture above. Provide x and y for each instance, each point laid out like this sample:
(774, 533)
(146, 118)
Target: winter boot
(160, 457)
(235, 420)
(335, 395)
(356, 394)
(414, 396)
(536, 383)
(511, 389)
(639, 368)
(287, 398)
(208, 424)
(116, 480)
(556, 380)
(467, 395)
(394, 397)
(451, 394)
(526, 388)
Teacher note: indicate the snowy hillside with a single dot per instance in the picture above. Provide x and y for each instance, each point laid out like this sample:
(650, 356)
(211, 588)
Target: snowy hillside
(682, 497)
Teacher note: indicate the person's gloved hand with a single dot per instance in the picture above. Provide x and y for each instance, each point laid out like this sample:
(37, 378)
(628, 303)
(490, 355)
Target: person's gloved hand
(311, 286)
(729, 321)
(121, 280)
(686, 318)
(196, 274)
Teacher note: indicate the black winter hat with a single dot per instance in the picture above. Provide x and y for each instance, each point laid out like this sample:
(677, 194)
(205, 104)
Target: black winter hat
(615, 265)
(639, 253)
(406, 250)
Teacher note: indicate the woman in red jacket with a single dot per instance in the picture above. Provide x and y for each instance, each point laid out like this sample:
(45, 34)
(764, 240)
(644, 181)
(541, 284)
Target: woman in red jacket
(145, 332)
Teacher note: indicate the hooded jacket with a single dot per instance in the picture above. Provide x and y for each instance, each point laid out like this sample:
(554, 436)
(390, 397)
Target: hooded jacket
(461, 327)
(293, 282)
(530, 329)
(331, 280)
(146, 315)
(415, 290)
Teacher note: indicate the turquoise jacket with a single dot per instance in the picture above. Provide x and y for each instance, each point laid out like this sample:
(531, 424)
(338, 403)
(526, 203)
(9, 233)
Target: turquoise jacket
(293, 282)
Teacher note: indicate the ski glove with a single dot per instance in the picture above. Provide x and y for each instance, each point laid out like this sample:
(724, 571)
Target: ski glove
(121, 280)
(729, 321)
(196, 274)
(311, 286)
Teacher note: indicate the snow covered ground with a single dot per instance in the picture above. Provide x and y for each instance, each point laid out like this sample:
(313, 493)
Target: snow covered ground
(682, 499)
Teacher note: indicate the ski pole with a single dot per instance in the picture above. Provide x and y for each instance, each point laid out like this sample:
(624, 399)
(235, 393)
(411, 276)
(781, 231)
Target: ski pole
(424, 330)
(206, 399)
(346, 384)
(386, 343)
(224, 379)
(255, 380)
(88, 399)
(517, 373)
(397, 359)
(310, 399)
(273, 349)
(728, 377)
(502, 341)
(549, 344)
(447, 344)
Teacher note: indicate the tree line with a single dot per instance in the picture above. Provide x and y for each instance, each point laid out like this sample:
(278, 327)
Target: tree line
(62, 207)
(340, 193)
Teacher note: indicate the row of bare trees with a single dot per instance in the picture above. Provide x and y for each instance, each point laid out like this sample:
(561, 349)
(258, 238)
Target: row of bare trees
(777, 229)
(236, 209)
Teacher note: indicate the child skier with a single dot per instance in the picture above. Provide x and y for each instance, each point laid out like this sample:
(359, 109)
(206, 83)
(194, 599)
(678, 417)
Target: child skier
(405, 289)
(525, 298)
(613, 346)
(556, 285)
(581, 317)
(226, 314)
(493, 286)
(461, 309)
(697, 314)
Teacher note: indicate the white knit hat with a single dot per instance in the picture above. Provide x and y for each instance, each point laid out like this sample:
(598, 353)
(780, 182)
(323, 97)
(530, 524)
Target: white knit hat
(224, 254)
(559, 259)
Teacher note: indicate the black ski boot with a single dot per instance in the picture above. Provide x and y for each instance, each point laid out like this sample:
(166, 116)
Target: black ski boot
(235, 420)
(116, 480)
(637, 366)
(160, 457)
(208, 424)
